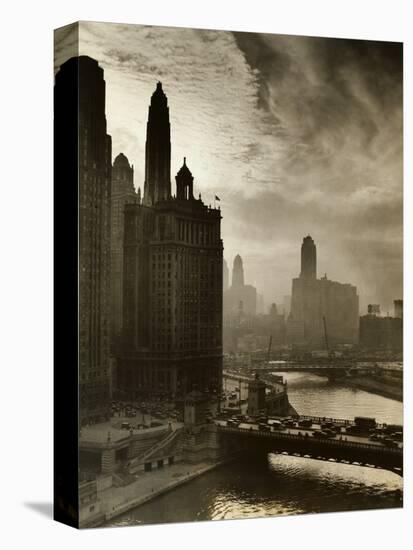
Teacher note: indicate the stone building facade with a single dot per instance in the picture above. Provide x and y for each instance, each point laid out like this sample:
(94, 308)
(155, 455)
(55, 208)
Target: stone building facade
(172, 285)
(123, 192)
(94, 188)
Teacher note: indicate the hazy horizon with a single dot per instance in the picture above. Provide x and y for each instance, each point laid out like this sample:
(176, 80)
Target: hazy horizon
(296, 135)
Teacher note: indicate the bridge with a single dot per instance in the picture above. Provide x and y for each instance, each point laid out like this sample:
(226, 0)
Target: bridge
(348, 449)
(324, 366)
(326, 369)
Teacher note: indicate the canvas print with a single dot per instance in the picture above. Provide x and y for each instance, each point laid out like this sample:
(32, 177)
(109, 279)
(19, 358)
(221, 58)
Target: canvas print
(238, 260)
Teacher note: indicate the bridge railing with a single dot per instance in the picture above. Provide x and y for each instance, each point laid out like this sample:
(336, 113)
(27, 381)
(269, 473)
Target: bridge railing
(322, 419)
(326, 442)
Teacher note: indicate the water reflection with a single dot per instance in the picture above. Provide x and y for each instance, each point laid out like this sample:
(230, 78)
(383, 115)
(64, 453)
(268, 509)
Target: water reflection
(278, 485)
(271, 486)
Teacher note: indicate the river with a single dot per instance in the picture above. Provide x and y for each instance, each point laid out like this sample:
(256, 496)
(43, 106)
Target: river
(278, 485)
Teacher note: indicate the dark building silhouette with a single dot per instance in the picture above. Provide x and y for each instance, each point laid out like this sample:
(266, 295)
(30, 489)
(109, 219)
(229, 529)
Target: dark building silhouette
(381, 333)
(323, 312)
(158, 150)
(123, 192)
(94, 187)
(308, 259)
(398, 309)
(172, 284)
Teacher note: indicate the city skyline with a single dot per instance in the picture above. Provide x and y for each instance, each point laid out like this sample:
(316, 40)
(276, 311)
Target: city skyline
(175, 377)
(303, 137)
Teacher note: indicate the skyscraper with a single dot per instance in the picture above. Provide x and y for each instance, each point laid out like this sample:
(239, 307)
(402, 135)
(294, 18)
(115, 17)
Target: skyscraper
(308, 259)
(94, 187)
(123, 192)
(240, 297)
(398, 309)
(237, 272)
(322, 311)
(172, 307)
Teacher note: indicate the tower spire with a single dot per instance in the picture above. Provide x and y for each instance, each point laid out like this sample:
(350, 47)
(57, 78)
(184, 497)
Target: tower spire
(184, 183)
(158, 150)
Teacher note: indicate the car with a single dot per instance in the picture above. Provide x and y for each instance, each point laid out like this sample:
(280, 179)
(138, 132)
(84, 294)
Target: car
(352, 430)
(389, 442)
(276, 424)
(327, 425)
(125, 426)
(321, 434)
(264, 427)
(305, 423)
(289, 423)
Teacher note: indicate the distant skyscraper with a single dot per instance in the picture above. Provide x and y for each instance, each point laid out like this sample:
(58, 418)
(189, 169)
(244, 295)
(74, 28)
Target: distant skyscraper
(308, 259)
(373, 309)
(225, 275)
(381, 333)
(237, 272)
(172, 282)
(398, 309)
(94, 187)
(315, 301)
(240, 297)
(123, 192)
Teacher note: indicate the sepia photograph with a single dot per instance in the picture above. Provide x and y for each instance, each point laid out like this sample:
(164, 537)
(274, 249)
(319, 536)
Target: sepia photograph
(239, 271)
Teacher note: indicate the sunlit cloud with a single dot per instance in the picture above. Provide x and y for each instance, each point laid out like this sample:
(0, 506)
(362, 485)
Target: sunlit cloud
(295, 135)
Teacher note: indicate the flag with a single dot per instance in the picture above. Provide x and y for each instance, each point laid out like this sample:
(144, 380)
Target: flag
(217, 198)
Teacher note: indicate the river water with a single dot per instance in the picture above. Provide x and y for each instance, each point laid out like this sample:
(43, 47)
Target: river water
(278, 485)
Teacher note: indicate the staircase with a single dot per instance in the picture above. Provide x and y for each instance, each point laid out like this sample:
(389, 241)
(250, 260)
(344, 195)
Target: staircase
(161, 447)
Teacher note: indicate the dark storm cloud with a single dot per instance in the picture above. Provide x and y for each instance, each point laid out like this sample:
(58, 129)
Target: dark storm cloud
(338, 106)
(296, 135)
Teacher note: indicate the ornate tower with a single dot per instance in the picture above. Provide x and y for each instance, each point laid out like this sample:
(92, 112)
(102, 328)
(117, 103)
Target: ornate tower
(184, 183)
(172, 279)
(237, 272)
(158, 150)
(308, 259)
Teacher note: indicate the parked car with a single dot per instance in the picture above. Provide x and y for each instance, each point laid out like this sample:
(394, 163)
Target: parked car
(276, 424)
(264, 427)
(388, 441)
(305, 423)
(321, 434)
(327, 425)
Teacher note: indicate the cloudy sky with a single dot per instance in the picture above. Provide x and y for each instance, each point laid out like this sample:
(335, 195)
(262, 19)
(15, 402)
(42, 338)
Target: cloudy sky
(296, 136)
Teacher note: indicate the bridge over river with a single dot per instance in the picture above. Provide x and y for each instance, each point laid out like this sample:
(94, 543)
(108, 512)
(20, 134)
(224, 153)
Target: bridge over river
(299, 441)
